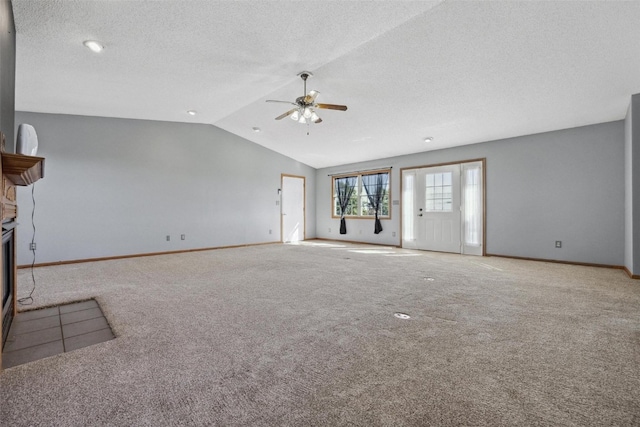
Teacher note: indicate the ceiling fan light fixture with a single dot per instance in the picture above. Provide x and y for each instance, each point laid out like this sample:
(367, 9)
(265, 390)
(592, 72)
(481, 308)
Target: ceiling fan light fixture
(311, 96)
(305, 106)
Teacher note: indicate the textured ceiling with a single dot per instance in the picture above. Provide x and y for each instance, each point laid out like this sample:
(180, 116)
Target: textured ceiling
(462, 72)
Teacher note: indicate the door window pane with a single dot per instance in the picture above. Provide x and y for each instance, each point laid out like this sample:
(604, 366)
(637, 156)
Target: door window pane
(430, 182)
(439, 192)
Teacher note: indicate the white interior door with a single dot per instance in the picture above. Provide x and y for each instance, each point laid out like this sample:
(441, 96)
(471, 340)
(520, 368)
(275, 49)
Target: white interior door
(442, 208)
(292, 208)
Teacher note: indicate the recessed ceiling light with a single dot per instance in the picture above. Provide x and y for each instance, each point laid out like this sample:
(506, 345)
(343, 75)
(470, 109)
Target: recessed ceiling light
(428, 139)
(256, 129)
(95, 46)
(402, 316)
(192, 112)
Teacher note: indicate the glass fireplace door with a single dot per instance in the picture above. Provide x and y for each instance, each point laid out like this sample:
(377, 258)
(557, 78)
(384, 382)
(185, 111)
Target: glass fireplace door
(7, 279)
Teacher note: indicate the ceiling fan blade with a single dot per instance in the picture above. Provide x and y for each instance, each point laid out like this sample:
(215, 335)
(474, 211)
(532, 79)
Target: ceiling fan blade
(311, 97)
(318, 121)
(287, 114)
(332, 107)
(283, 102)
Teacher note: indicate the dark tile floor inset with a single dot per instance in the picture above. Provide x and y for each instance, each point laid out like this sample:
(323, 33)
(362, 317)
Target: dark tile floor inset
(41, 333)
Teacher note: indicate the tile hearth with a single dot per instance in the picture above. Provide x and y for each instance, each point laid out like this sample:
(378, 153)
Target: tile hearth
(41, 333)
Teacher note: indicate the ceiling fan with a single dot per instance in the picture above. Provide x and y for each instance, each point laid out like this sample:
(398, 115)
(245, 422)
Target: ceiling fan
(304, 111)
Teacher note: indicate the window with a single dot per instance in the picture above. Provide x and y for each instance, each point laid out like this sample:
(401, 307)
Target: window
(472, 205)
(439, 195)
(359, 204)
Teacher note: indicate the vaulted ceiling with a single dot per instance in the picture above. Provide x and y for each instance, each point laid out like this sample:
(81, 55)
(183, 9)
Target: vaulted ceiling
(460, 72)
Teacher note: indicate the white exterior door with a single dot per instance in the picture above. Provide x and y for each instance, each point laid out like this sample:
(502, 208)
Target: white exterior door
(292, 208)
(442, 208)
(438, 203)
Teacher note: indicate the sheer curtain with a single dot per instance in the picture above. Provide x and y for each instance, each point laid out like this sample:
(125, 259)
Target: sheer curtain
(408, 210)
(472, 206)
(344, 190)
(376, 187)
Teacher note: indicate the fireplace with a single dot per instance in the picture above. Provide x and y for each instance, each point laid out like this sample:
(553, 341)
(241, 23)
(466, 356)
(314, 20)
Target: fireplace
(15, 170)
(7, 276)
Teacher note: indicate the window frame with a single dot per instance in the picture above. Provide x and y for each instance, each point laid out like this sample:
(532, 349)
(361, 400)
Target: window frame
(358, 193)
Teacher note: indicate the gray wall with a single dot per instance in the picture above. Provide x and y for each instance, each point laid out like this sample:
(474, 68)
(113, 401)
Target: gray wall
(118, 187)
(566, 185)
(628, 190)
(632, 186)
(7, 72)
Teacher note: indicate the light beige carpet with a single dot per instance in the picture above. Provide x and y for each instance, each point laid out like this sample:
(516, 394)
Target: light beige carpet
(305, 335)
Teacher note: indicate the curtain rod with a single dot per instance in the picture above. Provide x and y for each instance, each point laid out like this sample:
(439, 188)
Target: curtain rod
(367, 170)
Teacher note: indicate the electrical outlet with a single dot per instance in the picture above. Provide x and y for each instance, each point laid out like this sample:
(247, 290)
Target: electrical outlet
(558, 243)
(393, 234)
(269, 231)
(277, 202)
(32, 246)
(182, 237)
(329, 229)
(168, 238)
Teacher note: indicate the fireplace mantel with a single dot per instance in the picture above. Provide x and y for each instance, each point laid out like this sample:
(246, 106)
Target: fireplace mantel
(22, 170)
